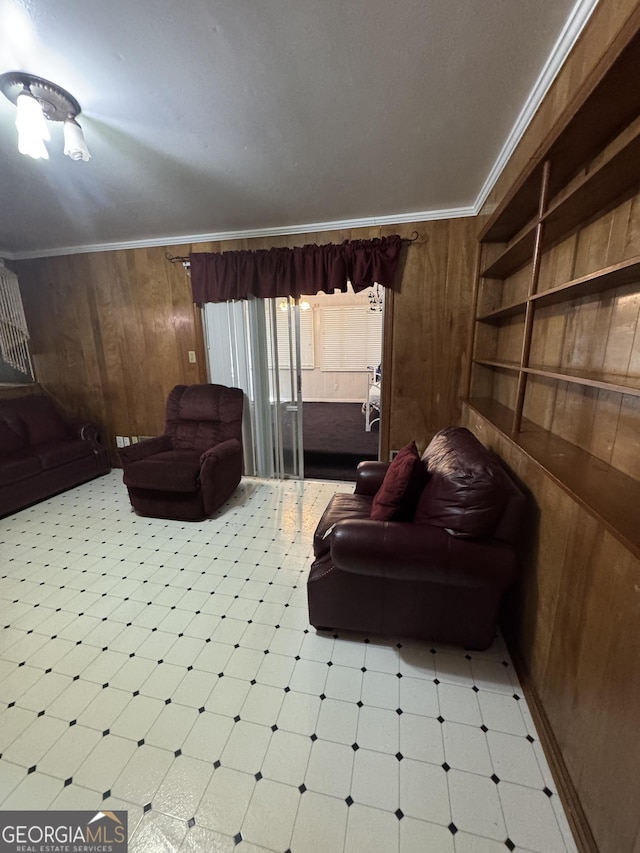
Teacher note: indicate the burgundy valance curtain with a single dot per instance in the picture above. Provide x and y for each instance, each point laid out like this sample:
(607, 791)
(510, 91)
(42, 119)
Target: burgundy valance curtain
(270, 273)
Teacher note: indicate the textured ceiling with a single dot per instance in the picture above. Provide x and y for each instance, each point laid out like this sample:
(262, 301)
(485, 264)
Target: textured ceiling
(232, 115)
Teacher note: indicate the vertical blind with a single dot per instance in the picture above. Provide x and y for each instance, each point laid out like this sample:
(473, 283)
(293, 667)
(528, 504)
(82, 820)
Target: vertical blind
(307, 361)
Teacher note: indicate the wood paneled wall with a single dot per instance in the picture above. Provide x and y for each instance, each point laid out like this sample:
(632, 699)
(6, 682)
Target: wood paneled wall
(431, 332)
(110, 335)
(111, 331)
(573, 618)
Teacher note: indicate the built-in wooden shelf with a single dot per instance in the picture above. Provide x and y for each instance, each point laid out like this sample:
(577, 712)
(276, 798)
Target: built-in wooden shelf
(516, 254)
(615, 175)
(589, 378)
(588, 164)
(573, 206)
(513, 366)
(600, 114)
(500, 314)
(617, 275)
(610, 495)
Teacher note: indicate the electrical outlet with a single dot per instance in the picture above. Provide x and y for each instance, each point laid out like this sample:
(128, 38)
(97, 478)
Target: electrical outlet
(134, 439)
(119, 441)
(126, 441)
(192, 356)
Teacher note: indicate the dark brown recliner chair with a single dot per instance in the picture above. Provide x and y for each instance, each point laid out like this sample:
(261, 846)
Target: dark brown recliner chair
(192, 469)
(439, 577)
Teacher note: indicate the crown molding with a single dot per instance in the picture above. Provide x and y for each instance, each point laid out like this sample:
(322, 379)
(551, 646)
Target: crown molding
(576, 22)
(308, 228)
(571, 31)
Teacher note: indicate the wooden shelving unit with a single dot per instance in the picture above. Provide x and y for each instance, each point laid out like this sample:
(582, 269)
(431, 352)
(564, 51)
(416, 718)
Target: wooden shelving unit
(597, 189)
(517, 253)
(617, 275)
(576, 140)
(606, 492)
(554, 390)
(585, 172)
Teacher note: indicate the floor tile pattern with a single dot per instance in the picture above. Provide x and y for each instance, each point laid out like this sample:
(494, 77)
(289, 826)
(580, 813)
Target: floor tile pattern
(169, 669)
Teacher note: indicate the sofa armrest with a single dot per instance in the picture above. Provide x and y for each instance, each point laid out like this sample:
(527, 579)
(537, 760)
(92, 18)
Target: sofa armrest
(91, 432)
(87, 431)
(221, 451)
(136, 452)
(406, 551)
(369, 477)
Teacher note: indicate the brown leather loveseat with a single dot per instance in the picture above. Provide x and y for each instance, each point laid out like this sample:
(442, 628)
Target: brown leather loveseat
(437, 567)
(42, 453)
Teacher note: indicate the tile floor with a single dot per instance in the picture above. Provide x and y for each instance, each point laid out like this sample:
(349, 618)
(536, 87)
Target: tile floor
(169, 669)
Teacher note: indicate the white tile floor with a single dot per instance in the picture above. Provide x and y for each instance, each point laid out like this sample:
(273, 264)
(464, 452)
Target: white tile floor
(169, 669)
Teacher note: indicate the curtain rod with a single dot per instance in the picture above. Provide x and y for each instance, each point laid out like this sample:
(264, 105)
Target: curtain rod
(184, 259)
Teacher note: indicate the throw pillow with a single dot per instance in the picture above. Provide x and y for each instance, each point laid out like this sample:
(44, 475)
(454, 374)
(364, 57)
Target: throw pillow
(397, 496)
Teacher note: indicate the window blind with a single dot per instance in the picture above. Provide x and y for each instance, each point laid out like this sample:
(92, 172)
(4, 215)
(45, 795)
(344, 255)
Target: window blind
(350, 337)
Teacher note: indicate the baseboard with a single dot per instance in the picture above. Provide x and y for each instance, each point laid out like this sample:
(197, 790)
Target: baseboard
(582, 835)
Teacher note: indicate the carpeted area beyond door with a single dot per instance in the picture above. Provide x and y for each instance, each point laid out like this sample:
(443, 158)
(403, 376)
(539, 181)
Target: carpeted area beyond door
(335, 440)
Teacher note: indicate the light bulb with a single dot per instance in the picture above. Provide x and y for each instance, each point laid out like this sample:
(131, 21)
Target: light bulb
(32, 127)
(74, 144)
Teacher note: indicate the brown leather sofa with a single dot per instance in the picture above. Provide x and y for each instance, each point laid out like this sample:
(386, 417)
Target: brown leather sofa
(439, 576)
(195, 466)
(42, 453)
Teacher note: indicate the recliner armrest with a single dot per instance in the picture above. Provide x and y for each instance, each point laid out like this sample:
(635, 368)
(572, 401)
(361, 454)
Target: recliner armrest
(369, 477)
(136, 452)
(406, 551)
(221, 451)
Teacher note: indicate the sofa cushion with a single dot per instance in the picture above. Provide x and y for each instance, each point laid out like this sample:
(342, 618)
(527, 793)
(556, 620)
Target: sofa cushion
(339, 508)
(173, 471)
(54, 453)
(466, 490)
(397, 496)
(18, 467)
(12, 436)
(42, 420)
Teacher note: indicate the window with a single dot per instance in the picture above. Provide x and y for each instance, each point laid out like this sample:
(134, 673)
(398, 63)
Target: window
(350, 337)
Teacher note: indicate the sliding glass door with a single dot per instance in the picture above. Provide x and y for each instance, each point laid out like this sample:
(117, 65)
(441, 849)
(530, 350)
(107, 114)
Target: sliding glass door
(255, 345)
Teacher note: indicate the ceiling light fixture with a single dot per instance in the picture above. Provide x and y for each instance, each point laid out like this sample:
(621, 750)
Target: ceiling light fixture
(376, 299)
(37, 102)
